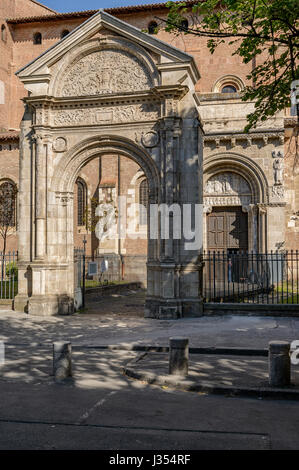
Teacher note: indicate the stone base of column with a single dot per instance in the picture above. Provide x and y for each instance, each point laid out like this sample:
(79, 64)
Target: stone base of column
(172, 309)
(43, 305)
(20, 303)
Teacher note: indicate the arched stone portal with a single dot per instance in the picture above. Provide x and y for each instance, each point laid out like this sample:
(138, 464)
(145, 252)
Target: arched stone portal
(107, 88)
(235, 183)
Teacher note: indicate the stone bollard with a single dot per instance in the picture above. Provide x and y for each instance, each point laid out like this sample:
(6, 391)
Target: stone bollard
(279, 364)
(178, 356)
(62, 360)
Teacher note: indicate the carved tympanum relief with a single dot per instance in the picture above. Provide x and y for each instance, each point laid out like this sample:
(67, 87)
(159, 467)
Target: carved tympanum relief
(227, 183)
(104, 72)
(227, 189)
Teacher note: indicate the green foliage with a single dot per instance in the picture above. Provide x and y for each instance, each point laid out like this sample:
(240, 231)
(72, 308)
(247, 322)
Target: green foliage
(12, 271)
(262, 31)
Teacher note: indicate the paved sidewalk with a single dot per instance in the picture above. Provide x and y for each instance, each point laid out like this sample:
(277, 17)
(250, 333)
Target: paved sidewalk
(120, 320)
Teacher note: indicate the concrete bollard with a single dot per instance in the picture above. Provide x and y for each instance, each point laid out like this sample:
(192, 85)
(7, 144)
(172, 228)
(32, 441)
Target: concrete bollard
(279, 364)
(178, 356)
(62, 360)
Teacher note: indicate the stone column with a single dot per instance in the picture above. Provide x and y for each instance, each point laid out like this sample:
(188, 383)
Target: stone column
(262, 233)
(40, 196)
(25, 185)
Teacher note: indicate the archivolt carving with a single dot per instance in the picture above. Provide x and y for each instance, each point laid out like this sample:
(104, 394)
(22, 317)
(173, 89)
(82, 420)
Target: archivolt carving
(68, 168)
(245, 167)
(105, 71)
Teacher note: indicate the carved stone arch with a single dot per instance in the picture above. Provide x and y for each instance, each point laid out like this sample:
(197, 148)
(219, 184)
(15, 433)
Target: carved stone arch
(138, 175)
(242, 165)
(69, 167)
(237, 82)
(68, 129)
(120, 46)
(9, 179)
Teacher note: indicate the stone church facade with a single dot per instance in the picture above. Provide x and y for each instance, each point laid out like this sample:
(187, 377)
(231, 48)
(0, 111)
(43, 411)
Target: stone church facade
(163, 122)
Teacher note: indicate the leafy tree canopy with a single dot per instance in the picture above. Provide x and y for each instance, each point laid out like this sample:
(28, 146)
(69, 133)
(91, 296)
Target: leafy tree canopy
(262, 31)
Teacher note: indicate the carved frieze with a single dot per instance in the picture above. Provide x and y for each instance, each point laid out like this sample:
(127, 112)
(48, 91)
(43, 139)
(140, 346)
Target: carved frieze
(104, 72)
(227, 200)
(106, 115)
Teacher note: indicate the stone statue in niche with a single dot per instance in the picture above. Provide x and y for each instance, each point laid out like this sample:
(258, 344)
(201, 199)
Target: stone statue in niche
(278, 171)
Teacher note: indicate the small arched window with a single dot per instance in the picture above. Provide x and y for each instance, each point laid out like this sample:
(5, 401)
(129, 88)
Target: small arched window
(37, 38)
(153, 27)
(143, 200)
(81, 201)
(3, 33)
(229, 89)
(184, 24)
(64, 33)
(8, 197)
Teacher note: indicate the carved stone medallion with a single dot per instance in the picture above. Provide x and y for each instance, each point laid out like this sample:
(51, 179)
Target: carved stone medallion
(150, 139)
(60, 144)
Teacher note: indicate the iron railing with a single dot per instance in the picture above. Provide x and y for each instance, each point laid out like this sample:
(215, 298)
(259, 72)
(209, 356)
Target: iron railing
(251, 277)
(9, 275)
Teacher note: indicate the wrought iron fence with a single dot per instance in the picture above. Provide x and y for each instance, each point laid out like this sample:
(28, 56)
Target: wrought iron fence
(9, 275)
(250, 277)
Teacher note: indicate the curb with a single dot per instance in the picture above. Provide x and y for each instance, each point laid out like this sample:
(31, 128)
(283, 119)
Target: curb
(178, 383)
(235, 351)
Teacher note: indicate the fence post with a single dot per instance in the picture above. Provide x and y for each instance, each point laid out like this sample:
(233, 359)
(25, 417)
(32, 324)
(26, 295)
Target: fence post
(62, 360)
(178, 356)
(279, 363)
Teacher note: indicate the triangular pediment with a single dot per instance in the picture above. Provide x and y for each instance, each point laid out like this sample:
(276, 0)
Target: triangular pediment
(102, 21)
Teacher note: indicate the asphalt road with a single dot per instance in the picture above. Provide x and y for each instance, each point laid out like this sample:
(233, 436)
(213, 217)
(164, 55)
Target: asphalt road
(137, 416)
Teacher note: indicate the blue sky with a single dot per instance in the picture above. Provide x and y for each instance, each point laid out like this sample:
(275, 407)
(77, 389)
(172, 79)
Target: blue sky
(78, 5)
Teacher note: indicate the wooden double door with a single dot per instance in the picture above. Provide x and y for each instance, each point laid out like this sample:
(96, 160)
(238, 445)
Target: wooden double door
(227, 229)
(227, 233)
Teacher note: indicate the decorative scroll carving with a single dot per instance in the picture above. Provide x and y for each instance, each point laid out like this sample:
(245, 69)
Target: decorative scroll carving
(278, 191)
(104, 72)
(118, 114)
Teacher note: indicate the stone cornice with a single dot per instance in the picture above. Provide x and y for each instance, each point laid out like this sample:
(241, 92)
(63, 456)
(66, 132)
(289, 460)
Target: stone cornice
(174, 66)
(176, 92)
(155, 95)
(268, 134)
